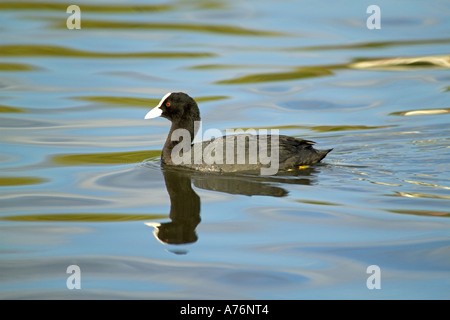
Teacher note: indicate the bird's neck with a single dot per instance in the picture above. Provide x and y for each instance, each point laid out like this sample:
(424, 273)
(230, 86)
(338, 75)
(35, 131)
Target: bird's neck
(177, 134)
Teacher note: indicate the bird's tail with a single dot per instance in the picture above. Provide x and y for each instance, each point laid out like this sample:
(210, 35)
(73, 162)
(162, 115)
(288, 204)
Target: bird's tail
(323, 153)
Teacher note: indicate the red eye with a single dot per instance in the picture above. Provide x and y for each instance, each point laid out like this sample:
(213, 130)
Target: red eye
(167, 104)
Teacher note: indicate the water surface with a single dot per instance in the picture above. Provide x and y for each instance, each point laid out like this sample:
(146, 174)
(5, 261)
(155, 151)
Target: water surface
(81, 183)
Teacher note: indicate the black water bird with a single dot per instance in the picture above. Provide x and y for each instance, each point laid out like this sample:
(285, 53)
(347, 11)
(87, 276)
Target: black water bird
(247, 153)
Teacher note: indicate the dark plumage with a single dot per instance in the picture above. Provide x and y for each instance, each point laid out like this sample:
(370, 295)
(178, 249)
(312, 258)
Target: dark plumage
(231, 153)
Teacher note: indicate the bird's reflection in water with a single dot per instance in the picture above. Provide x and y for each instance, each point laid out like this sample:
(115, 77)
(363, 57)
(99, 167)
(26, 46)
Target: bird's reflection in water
(185, 203)
(184, 210)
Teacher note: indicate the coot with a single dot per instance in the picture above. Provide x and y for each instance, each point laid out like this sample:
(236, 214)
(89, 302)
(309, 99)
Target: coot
(265, 154)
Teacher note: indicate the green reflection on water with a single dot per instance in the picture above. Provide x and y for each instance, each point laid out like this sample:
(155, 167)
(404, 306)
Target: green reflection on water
(26, 50)
(402, 63)
(323, 128)
(137, 102)
(422, 212)
(321, 203)
(298, 73)
(346, 128)
(8, 109)
(85, 7)
(84, 217)
(372, 45)
(420, 112)
(217, 66)
(303, 72)
(20, 181)
(217, 29)
(105, 158)
(420, 195)
(16, 67)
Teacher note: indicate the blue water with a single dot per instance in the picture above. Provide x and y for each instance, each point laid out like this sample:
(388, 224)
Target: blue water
(81, 183)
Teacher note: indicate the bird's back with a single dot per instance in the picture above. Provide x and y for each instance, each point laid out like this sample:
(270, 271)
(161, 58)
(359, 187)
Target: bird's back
(251, 153)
